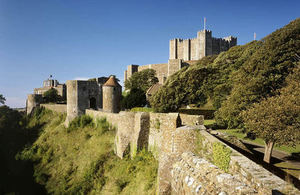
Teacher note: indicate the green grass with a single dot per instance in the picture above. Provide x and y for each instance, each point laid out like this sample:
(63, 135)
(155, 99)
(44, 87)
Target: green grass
(289, 168)
(209, 122)
(141, 109)
(82, 161)
(239, 134)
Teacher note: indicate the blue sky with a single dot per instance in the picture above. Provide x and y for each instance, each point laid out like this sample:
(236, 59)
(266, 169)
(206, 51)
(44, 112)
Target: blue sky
(83, 38)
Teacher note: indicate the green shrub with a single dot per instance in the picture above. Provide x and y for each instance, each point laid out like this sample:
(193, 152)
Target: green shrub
(51, 96)
(221, 156)
(103, 126)
(80, 122)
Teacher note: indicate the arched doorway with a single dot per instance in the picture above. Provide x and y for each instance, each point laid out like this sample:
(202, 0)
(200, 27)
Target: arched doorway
(93, 104)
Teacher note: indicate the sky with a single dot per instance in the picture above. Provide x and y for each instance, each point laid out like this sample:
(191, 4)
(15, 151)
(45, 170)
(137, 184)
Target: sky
(78, 39)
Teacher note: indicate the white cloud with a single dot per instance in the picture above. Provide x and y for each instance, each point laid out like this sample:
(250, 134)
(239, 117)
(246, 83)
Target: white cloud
(15, 102)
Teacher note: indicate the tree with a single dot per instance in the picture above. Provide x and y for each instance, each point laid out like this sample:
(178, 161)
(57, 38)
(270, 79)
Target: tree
(138, 84)
(51, 95)
(2, 99)
(135, 98)
(142, 80)
(277, 119)
(262, 75)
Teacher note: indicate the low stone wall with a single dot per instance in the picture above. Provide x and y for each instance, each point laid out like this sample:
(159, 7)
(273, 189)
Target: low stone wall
(61, 108)
(191, 119)
(194, 175)
(245, 170)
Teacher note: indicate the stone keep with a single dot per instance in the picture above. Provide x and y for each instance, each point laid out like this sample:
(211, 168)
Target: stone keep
(183, 52)
(203, 45)
(112, 91)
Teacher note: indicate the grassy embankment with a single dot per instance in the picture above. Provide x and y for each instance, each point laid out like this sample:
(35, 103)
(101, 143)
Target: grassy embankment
(80, 159)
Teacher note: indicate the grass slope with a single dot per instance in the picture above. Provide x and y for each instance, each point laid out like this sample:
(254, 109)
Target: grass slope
(80, 159)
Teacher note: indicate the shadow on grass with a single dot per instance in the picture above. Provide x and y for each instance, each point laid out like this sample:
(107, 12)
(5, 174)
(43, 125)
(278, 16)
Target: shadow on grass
(16, 175)
(295, 156)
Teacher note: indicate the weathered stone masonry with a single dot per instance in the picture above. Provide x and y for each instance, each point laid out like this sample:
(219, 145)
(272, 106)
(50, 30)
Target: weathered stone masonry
(185, 52)
(180, 171)
(172, 139)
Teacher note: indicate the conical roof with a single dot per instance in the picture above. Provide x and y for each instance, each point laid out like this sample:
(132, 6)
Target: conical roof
(112, 82)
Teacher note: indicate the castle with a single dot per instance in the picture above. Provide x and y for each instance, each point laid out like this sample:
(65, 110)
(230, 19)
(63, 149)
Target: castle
(99, 94)
(171, 137)
(186, 52)
(51, 83)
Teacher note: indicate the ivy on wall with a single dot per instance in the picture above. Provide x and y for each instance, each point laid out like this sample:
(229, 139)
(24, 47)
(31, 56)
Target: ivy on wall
(221, 156)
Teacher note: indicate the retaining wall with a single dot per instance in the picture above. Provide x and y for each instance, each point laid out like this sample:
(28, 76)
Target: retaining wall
(61, 108)
(243, 177)
(171, 141)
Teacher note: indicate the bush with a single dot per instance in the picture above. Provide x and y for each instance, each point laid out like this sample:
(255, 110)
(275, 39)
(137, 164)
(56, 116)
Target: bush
(135, 98)
(103, 126)
(52, 96)
(80, 122)
(221, 156)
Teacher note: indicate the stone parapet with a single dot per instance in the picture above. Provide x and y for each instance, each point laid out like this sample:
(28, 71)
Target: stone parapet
(247, 171)
(61, 108)
(194, 175)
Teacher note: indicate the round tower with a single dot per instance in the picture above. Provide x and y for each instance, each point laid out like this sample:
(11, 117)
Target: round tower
(111, 95)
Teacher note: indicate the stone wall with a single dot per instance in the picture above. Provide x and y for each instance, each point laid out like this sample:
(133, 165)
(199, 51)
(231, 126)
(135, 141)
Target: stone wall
(174, 65)
(194, 175)
(61, 108)
(251, 177)
(138, 130)
(172, 138)
(33, 100)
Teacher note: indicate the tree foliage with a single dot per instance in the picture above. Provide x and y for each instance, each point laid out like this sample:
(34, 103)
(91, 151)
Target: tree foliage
(2, 99)
(142, 80)
(51, 95)
(138, 84)
(134, 98)
(261, 75)
(182, 88)
(210, 79)
(277, 119)
(235, 79)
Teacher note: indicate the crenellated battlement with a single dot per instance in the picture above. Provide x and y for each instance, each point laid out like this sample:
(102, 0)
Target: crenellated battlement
(183, 51)
(203, 45)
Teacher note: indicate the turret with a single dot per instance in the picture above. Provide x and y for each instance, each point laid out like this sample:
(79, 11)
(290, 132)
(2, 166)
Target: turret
(112, 91)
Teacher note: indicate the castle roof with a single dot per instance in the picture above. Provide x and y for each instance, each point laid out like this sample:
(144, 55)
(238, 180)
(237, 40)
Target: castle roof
(153, 89)
(112, 82)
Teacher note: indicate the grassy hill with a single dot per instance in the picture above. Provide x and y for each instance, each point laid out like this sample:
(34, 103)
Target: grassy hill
(80, 159)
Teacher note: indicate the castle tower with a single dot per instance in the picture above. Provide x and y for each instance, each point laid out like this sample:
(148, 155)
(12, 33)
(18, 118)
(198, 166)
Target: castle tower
(33, 100)
(203, 45)
(112, 91)
(81, 95)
